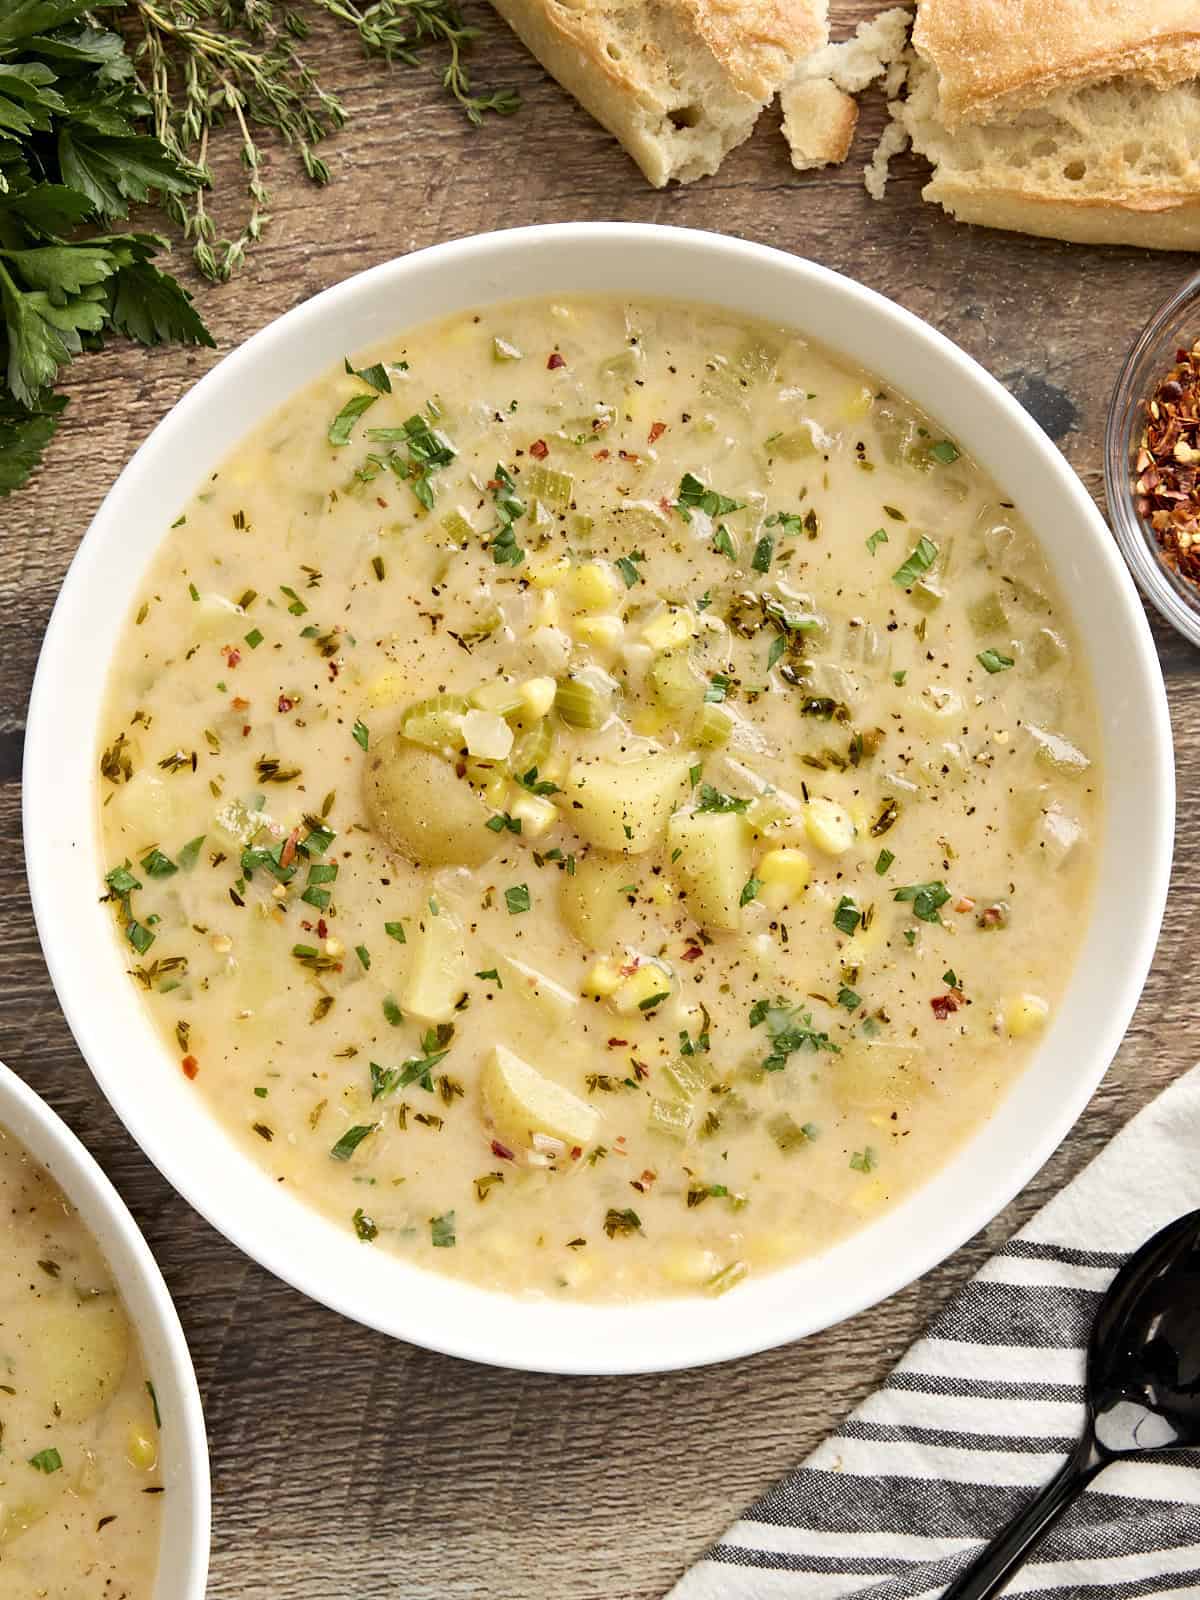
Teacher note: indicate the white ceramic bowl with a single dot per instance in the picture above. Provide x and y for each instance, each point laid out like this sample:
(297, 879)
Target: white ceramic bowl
(154, 1099)
(183, 1564)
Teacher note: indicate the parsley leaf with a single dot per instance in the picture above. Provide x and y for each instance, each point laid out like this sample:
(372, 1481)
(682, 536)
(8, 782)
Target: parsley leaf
(342, 425)
(692, 496)
(927, 899)
(713, 800)
(919, 561)
(994, 661)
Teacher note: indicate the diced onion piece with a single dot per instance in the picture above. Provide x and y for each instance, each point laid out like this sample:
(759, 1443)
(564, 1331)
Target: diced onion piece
(487, 735)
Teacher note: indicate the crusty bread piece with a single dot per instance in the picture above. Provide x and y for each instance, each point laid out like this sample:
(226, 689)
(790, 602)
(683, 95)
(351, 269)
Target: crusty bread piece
(995, 57)
(1115, 163)
(819, 115)
(818, 122)
(679, 82)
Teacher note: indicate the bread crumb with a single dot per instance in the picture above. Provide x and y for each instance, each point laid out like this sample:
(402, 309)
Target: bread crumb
(818, 122)
(892, 141)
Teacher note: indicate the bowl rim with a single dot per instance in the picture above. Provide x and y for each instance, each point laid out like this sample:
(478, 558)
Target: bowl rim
(1175, 600)
(659, 1335)
(54, 1146)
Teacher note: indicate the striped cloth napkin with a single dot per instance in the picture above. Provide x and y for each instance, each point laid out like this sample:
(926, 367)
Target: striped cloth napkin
(981, 1412)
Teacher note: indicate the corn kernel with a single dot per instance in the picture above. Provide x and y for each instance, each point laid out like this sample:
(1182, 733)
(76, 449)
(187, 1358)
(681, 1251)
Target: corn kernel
(534, 812)
(641, 986)
(537, 695)
(784, 874)
(141, 1450)
(670, 630)
(601, 633)
(592, 587)
(603, 980)
(830, 826)
(1025, 1013)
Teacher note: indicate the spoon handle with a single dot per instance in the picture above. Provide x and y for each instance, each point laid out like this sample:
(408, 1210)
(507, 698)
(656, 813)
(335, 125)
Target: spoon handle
(988, 1575)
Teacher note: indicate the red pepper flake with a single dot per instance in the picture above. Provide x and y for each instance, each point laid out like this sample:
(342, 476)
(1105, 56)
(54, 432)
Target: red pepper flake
(232, 654)
(288, 854)
(501, 1151)
(943, 1005)
(630, 968)
(539, 449)
(190, 1066)
(663, 503)
(555, 362)
(245, 730)
(286, 704)
(964, 903)
(576, 1152)
(657, 429)
(617, 1044)
(628, 455)
(640, 1069)
(239, 704)
(692, 953)
(1166, 476)
(381, 502)
(601, 455)
(322, 928)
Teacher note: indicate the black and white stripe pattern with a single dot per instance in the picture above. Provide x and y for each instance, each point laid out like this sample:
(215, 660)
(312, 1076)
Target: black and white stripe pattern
(982, 1411)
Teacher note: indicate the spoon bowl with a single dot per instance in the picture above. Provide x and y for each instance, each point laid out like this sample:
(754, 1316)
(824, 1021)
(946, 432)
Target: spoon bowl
(1143, 1393)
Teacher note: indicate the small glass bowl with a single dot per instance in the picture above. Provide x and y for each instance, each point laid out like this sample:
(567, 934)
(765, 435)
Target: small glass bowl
(1176, 324)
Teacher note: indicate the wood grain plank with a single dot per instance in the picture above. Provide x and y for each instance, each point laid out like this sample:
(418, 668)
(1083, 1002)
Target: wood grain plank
(346, 1465)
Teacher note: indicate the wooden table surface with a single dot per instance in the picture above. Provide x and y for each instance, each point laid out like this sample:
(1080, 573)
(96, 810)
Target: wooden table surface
(347, 1466)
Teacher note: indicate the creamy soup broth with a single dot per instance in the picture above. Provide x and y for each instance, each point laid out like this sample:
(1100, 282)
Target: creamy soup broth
(80, 1489)
(600, 800)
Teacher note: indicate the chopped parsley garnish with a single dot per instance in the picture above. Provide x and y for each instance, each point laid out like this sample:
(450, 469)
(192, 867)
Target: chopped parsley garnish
(919, 561)
(790, 523)
(883, 861)
(427, 449)
(351, 1139)
(441, 1231)
(46, 1461)
(621, 1222)
(778, 648)
(764, 554)
(718, 689)
(694, 496)
(392, 1012)
(847, 998)
(898, 679)
(790, 1030)
(847, 916)
(190, 854)
(517, 899)
(927, 899)
(713, 800)
(254, 638)
(876, 539)
(652, 1000)
(864, 1160)
(395, 930)
(342, 425)
(501, 821)
(506, 552)
(945, 451)
(364, 956)
(295, 605)
(157, 865)
(360, 733)
(994, 661)
(529, 780)
(490, 974)
(723, 542)
(749, 891)
(627, 568)
(950, 978)
(374, 375)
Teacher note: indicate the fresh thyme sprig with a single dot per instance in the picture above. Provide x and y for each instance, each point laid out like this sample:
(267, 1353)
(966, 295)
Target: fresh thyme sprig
(208, 62)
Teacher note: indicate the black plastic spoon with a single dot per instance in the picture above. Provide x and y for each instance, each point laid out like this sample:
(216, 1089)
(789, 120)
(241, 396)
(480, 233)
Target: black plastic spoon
(1143, 1392)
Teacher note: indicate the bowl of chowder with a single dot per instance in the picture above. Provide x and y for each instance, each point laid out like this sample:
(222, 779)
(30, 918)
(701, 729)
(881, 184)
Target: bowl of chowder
(598, 798)
(104, 1474)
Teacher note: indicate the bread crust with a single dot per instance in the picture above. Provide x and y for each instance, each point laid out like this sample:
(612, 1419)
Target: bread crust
(999, 56)
(819, 120)
(678, 82)
(1153, 221)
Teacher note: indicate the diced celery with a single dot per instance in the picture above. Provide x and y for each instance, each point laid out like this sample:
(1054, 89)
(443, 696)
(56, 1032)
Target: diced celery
(436, 722)
(503, 350)
(551, 487)
(1049, 649)
(687, 1077)
(795, 444)
(787, 1132)
(581, 529)
(714, 725)
(669, 1117)
(585, 698)
(758, 359)
(458, 528)
(987, 614)
(498, 695)
(532, 747)
(1057, 753)
(674, 682)
(624, 364)
(728, 1278)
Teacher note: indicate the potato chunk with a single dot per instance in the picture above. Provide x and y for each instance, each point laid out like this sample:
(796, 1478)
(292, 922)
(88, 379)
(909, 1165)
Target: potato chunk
(82, 1349)
(713, 865)
(438, 968)
(624, 805)
(419, 805)
(589, 898)
(522, 1101)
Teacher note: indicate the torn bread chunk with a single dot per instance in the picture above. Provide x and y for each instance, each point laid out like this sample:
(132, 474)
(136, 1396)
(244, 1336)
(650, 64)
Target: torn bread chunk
(819, 113)
(678, 82)
(1113, 163)
(818, 122)
(996, 57)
